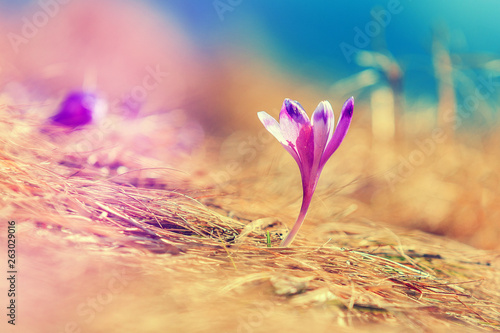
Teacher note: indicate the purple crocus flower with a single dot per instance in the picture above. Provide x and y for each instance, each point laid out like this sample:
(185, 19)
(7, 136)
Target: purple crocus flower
(310, 142)
(79, 108)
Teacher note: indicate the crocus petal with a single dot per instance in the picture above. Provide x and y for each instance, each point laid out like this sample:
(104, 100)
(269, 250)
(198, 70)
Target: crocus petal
(295, 111)
(77, 109)
(274, 128)
(322, 123)
(340, 131)
(292, 118)
(271, 125)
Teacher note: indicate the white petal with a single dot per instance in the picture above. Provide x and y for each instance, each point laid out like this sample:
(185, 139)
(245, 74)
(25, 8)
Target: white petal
(322, 123)
(272, 126)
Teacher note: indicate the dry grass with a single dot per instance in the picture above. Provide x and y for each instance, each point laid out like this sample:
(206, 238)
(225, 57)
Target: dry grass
(195, 259)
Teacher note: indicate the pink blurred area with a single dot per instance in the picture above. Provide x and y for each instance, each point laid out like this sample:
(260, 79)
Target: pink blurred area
(125, 48)
(112, 46)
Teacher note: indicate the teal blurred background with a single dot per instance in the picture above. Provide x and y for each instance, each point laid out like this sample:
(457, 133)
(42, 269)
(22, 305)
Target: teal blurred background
(305, 37)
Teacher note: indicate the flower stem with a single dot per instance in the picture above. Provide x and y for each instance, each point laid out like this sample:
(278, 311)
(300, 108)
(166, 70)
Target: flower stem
(306, 200)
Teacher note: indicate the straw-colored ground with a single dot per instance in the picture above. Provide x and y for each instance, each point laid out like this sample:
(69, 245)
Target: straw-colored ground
(180, 245)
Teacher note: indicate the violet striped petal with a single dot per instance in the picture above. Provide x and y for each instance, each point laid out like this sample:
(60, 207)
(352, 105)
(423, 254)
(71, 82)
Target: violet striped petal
(292, 118)
(340, 131)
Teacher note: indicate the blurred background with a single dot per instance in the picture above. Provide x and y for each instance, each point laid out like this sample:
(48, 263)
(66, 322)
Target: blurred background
(190, 76)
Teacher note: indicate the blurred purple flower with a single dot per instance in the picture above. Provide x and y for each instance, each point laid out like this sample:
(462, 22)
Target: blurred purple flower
(79, 108)
(310, 142)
